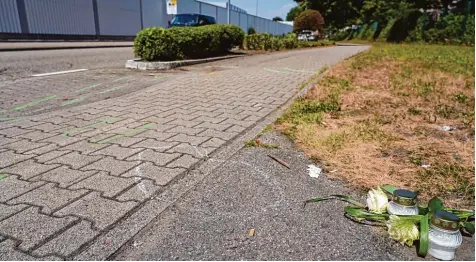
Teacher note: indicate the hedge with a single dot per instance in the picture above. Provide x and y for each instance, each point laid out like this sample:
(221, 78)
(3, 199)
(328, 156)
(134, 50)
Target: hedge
(155, 43)
(269, 42)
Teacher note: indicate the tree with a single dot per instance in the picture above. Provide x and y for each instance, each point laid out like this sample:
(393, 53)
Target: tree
(277, 18)
(338, 13)
(293, 13)
(309, 20)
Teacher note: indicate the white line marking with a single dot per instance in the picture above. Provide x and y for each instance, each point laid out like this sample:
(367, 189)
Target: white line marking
(62, 72)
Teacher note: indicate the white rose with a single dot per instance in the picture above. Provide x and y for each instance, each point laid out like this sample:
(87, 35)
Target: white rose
(377, 201)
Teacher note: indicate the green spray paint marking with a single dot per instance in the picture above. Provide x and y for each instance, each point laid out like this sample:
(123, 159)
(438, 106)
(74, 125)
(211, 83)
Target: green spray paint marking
(2, 176)
(107, 120)
(32, 103)
(123, 78)
(110, 90)
(4, 119)
(127, 133)
(87, 88)
(72, 101)
(275, 71)
(299, 71)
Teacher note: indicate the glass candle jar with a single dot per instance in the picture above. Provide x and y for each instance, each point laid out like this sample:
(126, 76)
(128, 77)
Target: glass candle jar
(404, 203)
(444, 235)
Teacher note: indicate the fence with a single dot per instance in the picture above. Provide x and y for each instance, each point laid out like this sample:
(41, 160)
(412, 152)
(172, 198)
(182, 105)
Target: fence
(108, 19)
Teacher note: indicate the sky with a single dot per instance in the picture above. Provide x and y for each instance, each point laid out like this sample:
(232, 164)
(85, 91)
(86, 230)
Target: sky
(266, 8)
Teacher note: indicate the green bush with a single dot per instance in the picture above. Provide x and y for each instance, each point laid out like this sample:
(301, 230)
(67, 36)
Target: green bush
(251, 31)
(152, 44)
(270, 42)
(304, 44)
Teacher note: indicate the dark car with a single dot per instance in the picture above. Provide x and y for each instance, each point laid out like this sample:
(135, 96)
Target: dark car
(192, 20)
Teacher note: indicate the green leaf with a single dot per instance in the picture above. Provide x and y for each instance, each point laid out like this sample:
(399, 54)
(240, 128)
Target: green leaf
(424, 228)
(389, 188)
(469, 227)
(360, 213)
(339, 197)
(435, 204)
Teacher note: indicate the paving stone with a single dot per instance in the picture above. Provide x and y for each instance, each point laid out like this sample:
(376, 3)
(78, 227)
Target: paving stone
(214, 142)
(140, 192)
(13, 131)
(6, 140)
(159, 146)
(84, 147)
(8, 158)
(64, 175)
(75, 160)
(160, 159)
(50, 156)
(69, 241)
(109, 185)
(61, 140)
(185, 130)
(8, 253)
(236, 129)
(23, 146)
(48, 197)
(218, 127)
(161, 175)
(32, 228)
(192, 140)
(11, 187)
(184, 148)
(155, 135)
(186, 123)
(47, 127)
(6, 211)
(117, 151)
(111, 165)
(126, 141)
(238, 122)
(43, 149)
(28, 169)
(37, 135)
(218, 134)
(102, 211)
(184, 161)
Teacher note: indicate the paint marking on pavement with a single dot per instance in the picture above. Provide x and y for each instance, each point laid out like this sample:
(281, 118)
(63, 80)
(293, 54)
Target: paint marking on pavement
(106, 120)
(74, 101)
(298, 71)
(61, 72)
(4, 119)
(35, 102)
(127, 133)
(275, 71)
(87, 88)
(110, 90)
(122, 78)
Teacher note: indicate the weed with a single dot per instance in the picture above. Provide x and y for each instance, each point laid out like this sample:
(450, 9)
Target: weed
(462, 98)
(258, 143)
(414, 111)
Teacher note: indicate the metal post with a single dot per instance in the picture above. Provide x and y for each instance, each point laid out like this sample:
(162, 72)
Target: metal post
(257, 7)
(229, 11)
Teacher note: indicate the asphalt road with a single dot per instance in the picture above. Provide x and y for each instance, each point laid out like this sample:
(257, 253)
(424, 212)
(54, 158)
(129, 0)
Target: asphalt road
(20, 64)
(252, 191)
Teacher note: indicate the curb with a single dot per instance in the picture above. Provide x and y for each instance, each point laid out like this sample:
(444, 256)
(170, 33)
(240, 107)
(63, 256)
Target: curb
(138, 64)
(13, 49)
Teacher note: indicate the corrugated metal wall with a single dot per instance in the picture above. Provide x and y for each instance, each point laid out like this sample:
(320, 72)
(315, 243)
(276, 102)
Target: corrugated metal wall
(119, 17)
(9, 20)
(112, 17)
(154, 13)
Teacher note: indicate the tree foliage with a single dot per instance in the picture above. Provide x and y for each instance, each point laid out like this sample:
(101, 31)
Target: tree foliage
(277, 18)
(309, 20)
(293, 13)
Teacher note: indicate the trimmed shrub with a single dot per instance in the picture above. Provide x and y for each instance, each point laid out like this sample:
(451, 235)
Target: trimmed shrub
(309, 20)
(153, 44)
(269, 42)
(305, 44)
(251, 31)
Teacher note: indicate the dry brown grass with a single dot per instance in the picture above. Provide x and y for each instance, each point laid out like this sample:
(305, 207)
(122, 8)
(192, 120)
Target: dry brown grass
(389, 125)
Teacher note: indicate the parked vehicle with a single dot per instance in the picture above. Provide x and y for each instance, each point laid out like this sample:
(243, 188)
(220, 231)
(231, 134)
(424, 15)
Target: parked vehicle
(306, 35)
(192, 20)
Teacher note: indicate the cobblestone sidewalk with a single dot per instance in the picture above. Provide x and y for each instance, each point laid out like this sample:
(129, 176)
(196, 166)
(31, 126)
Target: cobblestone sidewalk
(77, 183)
